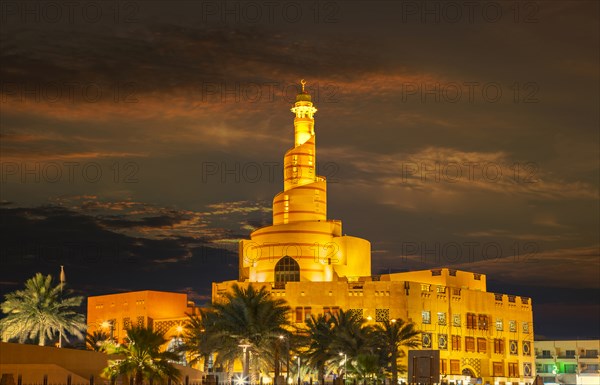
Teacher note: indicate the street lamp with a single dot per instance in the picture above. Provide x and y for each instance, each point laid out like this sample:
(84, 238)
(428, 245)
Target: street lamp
(345, 359)
(287, 358)
(244, 345)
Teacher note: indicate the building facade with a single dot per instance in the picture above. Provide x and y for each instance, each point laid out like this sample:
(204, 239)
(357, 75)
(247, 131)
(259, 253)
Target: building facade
(571, 362)
(165, 312)
(305, 258)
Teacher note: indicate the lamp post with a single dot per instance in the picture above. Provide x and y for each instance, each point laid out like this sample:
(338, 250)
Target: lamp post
(287, 358)
(345, 359)
(244, 345)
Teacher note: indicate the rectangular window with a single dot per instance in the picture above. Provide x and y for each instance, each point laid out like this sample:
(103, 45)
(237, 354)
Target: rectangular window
(441, 318)
(482, 322)
(512, 325)
(299, 315)
(456, 320)
(570, 353)
(425, 287)
(498, 346)
(455, 366)
(471, 321)
(426, 317)
(140, 321)
(526, 327)
(498, 369)
(455, 342)
(511, 298)
(546, 354)
(469, 344)
(499, 324)
(570, 368)
(513, 369)
(441, 289)
(307, 313)
(126, 323)
(443, 366)
(481, 345)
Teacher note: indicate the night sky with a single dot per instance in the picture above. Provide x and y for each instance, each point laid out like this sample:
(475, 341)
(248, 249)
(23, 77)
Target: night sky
(140, 140)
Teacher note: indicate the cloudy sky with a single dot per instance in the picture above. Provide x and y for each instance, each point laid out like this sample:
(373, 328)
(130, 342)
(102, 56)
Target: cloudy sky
(140, 140)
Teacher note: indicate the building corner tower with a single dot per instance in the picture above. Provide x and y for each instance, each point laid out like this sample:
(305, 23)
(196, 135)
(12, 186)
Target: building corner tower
(302, 244)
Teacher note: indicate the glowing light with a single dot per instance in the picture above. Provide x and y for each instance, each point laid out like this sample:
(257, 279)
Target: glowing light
(369, 318)
(240, 380)
(179, 329)
(105, 325)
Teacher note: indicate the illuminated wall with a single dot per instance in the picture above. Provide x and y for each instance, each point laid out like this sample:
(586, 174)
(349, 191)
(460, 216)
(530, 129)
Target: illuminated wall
(114, 313)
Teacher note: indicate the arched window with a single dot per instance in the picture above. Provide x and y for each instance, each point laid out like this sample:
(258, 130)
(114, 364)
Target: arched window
(287, 270)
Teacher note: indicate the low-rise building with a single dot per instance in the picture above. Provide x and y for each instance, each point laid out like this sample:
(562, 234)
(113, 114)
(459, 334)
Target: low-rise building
(569, 362)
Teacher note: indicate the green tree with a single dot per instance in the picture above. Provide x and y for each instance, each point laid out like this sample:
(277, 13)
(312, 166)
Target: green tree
(367, 366)
(393, 335)
(40, 312)
(198, 343)
(351, 335)
(141, 357)
(251, 317)
(97, 340)
(318, 338)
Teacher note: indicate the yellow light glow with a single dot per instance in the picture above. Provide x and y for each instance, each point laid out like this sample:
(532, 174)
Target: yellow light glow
(105, 325)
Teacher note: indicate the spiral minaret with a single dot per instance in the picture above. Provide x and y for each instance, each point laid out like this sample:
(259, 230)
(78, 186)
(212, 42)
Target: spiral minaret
(302, 244)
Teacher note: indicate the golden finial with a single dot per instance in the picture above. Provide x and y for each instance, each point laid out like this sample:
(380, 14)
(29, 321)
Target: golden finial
(303, 82)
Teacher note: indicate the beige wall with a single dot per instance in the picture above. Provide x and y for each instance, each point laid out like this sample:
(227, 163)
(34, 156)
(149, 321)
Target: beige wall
(31, 360)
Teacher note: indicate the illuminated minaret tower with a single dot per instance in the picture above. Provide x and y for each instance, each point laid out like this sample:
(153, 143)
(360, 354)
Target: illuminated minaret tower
(302, 244)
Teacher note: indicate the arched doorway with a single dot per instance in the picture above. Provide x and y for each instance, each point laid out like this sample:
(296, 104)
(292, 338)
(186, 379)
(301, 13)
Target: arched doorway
(468, 372)
(287, 270)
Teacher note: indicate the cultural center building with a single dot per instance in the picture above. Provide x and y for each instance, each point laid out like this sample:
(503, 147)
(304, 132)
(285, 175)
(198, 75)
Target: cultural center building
(305, 258)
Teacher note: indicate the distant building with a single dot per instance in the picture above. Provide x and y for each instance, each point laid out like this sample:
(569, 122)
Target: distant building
(163, 311)
(570, 362)
(305, 258)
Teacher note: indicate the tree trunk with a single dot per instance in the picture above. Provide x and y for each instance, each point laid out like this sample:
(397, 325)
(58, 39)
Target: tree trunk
(276, 361)
(42, 339)
(394, 367)
(139, 378)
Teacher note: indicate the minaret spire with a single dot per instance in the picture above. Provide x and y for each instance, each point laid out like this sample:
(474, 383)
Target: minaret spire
(304, 123)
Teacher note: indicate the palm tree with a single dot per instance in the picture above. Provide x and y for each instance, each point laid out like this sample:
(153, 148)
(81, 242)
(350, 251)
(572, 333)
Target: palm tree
(141, 357)
(393, 335)
(40, 312)
(318, 336)
(351, 335)
(367, 366)
(197, 340)
(250, 317)
(97, 340)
